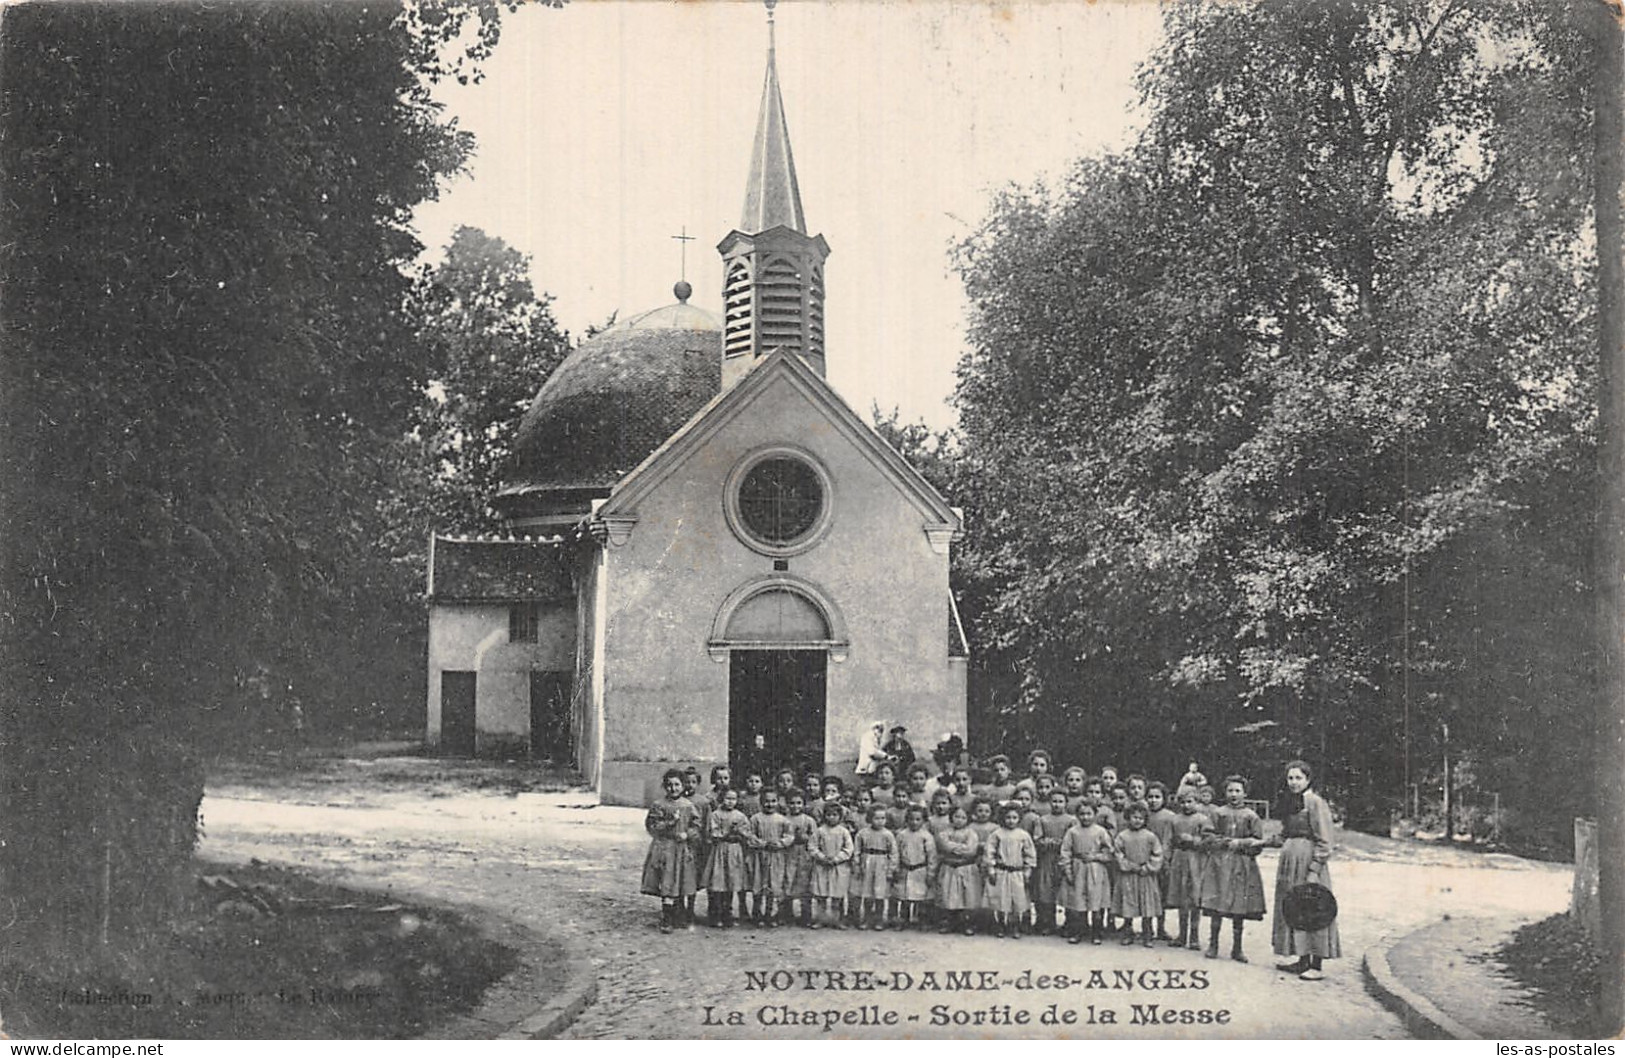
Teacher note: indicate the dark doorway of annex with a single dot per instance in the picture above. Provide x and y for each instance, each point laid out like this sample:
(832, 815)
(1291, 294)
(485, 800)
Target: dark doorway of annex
(457, 714)
(776, 710)
(550, 718)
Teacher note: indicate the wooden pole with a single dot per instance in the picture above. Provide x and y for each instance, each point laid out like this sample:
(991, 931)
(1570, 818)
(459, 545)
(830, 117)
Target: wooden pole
(104, 873)
(1610, 524)
(1449, 828)
(105, 918)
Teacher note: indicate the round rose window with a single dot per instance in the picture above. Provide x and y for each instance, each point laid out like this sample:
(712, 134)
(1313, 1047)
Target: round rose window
(780, 500)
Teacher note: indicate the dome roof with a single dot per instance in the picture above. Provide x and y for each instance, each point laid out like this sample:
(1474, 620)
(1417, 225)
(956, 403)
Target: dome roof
(615, 399)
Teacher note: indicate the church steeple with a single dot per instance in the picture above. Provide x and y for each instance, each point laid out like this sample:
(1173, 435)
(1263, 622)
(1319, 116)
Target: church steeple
(772, 196)
(773, 271)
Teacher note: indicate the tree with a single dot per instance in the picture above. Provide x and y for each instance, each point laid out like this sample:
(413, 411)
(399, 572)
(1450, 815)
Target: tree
(934, 453)
(207, 213)
(1276, 414)
(494, 343)
(975, 572)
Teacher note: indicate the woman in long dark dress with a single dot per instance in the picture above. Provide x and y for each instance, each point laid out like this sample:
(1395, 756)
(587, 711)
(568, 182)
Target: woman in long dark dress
(1306, 846)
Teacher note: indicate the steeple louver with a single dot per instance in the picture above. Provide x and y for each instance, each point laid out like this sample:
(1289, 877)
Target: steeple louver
(773, 271)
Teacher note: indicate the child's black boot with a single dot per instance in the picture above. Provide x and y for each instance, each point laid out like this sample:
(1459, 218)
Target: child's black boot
(1184, 927)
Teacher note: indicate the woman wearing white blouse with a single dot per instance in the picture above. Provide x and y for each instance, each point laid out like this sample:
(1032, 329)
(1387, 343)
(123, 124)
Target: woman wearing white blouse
(870, 753)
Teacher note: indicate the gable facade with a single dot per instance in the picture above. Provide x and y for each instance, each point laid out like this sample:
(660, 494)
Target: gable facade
(685, 587)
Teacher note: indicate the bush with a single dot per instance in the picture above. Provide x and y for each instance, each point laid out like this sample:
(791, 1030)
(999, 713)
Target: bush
(1560, 965)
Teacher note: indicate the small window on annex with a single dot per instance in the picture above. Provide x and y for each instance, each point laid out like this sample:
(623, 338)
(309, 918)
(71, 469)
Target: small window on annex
(522, 623)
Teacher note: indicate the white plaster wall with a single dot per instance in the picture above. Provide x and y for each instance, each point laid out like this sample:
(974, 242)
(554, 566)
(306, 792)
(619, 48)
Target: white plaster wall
(665, 699)
(590, 670)
(472, 637)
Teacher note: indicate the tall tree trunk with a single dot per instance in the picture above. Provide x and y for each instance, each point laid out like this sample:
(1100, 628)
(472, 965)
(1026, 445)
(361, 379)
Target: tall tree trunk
(1610, 542)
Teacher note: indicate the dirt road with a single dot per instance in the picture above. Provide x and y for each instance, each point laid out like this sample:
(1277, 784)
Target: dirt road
(558, 862)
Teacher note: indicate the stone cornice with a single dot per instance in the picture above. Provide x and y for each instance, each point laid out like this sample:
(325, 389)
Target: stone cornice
(612, 530)
(942, 536)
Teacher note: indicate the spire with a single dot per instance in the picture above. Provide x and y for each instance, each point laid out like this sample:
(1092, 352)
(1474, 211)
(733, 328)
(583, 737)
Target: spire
(772, 197)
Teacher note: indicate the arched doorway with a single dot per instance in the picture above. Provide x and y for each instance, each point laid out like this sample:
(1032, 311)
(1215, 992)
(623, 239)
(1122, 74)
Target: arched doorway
(778, 636)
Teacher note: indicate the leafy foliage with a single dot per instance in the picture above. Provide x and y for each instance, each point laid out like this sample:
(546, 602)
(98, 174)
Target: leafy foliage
(494, 343)
(1282, 421)
(207, 213)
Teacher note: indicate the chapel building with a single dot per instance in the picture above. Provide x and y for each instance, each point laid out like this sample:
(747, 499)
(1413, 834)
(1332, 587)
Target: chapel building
(712, 557)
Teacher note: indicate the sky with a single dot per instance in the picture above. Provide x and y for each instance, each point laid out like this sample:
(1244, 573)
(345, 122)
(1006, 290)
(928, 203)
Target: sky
(606, 128)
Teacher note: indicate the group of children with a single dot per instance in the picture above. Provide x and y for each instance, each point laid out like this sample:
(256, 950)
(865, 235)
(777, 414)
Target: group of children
(1077, 855)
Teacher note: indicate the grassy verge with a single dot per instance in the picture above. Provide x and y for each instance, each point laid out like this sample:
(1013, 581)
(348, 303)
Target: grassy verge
(1555, 960)
(321, 777)
(263, 953)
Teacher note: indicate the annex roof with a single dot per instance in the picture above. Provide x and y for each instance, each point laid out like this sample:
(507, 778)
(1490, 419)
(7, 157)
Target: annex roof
(499, 569)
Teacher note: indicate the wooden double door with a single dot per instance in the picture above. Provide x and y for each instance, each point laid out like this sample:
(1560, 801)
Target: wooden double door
(551, 735)
(776, 710)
